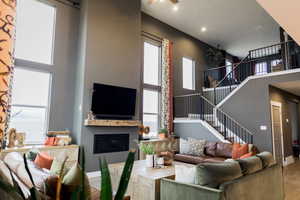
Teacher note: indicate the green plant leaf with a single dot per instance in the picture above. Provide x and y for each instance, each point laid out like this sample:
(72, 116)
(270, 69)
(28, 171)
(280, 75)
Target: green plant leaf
(27, 170)
(82, 189)
(125, 176)
(34, 194)
(106, 187)
(9, 189)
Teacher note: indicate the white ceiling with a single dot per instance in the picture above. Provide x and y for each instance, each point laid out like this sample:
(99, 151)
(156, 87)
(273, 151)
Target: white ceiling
(291, 86)
(237, 25)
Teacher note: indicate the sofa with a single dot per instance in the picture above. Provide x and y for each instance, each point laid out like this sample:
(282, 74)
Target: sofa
(13, 165)
(250, 179)
(213, 152)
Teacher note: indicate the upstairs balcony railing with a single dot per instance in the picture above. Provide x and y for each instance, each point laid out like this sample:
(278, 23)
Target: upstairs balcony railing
(274, 58)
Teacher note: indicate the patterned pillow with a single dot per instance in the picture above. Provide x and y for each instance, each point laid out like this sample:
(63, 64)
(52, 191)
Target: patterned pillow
(197, 147)
(184, 146)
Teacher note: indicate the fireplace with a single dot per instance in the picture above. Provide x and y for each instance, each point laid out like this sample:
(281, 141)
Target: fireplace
(108, 143)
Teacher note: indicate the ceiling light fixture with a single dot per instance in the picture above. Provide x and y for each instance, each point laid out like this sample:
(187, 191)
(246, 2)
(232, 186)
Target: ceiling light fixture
(175, 8)
(172, 1)
(203, 29)
(161, 1)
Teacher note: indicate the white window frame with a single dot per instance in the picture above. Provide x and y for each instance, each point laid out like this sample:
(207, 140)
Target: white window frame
(149, 87)
(43, 68)
(193, 74)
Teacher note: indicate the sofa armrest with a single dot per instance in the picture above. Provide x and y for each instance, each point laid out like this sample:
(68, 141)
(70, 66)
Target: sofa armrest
(172, 190)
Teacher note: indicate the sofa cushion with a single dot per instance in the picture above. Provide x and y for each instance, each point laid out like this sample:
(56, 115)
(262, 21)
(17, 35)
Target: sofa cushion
(210, 148)
(214, 174)
(188, 158)
(214, 159)
(266, 158)
(250, 165)
(224, 150)
(184, 146)
(239, 150)
(197, 146)
(185, 174)
(43, 160)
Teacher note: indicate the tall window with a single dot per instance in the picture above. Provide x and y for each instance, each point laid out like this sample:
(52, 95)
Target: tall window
(188, 73)
(151, 86)
(32, 78)
(229, 67)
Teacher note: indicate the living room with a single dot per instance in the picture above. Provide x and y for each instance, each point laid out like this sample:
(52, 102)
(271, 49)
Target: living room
(157, 76)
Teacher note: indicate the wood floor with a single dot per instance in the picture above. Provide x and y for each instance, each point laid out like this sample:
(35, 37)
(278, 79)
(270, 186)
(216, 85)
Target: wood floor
(292, 181)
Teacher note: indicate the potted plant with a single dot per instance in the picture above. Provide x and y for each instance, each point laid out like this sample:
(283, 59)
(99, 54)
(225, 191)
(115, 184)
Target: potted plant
(148, 150)
(163, 133)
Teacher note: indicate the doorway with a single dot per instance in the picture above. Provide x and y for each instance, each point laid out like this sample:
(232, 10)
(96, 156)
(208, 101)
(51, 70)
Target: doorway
(277, 132)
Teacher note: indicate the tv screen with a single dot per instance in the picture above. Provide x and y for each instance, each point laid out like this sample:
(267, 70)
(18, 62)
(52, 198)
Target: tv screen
(113, 102)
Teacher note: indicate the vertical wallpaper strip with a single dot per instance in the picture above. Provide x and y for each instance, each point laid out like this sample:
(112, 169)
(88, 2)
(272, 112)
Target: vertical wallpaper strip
(7, 39)
(167, 87)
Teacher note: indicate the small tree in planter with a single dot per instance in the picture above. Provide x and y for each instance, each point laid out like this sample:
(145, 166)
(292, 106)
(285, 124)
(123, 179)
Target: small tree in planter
(148, 150)
(163, 133)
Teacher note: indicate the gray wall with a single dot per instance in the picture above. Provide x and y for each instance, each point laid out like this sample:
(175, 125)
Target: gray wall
(184, 46)
(109, 53)
(250, 106)
(194, 130)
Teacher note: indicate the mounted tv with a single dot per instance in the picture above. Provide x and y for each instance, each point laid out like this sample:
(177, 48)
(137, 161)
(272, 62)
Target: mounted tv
(112, 102)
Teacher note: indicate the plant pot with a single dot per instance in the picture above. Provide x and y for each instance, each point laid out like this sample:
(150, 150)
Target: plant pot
(150, 160)
(162, 136)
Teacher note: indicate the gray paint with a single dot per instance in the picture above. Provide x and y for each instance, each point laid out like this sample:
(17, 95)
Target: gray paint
(184, 46)
(109, 53)
(294, 114)
(194, 130)
(250, 106)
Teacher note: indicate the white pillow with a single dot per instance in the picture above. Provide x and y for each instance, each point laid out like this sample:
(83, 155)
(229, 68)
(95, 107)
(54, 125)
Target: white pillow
(185, 174)
(184, 146)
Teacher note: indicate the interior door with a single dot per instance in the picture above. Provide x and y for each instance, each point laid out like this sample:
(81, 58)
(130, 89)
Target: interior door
(277, 134)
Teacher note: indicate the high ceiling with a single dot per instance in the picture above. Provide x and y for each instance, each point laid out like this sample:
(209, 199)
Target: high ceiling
(237, 25)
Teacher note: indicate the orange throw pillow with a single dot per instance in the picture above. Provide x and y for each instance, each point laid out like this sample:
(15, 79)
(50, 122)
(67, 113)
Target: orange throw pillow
(43, 160)
(247, 155)
(239, 150)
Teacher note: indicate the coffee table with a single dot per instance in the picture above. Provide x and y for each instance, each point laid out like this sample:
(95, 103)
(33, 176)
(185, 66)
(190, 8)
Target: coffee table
(144, 183)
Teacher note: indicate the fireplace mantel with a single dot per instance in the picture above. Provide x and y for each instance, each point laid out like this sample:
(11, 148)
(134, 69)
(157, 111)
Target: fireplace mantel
(118, 123)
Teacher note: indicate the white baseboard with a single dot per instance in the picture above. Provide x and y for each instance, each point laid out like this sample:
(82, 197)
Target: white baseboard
(288, 160)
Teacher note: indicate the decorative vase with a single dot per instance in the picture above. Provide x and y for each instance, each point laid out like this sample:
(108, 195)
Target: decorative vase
(149, 160)
(162, 136)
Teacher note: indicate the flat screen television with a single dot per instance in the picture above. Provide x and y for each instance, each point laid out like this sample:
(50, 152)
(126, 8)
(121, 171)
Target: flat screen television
(112, 102)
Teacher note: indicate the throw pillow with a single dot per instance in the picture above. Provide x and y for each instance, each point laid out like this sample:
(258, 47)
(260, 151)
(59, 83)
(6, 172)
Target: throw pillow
(247, 155)
(185, 174)
(239, 150)
(214, 174)
(43, 160)
(184, 146)
(13, 160)
(250, 165)
(224, 150)
(197, 147)
(32, 154)
(266, 158)
(72, 180)
(210, 149)
(57, 164)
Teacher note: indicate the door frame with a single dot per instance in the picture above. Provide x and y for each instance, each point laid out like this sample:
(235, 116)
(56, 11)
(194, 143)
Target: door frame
(278, 104)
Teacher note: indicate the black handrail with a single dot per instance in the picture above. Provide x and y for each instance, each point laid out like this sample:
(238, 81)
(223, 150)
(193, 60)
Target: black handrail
(195, 106)
(277, 57)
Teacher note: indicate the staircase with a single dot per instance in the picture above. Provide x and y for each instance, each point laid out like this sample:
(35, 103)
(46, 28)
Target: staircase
(258, 62)
(196, 106)
(219, 85)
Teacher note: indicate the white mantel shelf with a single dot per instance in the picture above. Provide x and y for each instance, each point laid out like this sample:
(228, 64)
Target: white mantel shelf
(118, 123)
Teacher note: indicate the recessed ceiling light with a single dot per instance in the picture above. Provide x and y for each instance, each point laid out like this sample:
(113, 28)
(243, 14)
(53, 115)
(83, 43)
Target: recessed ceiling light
(203, 29)
(175, 8)
(161, 1)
